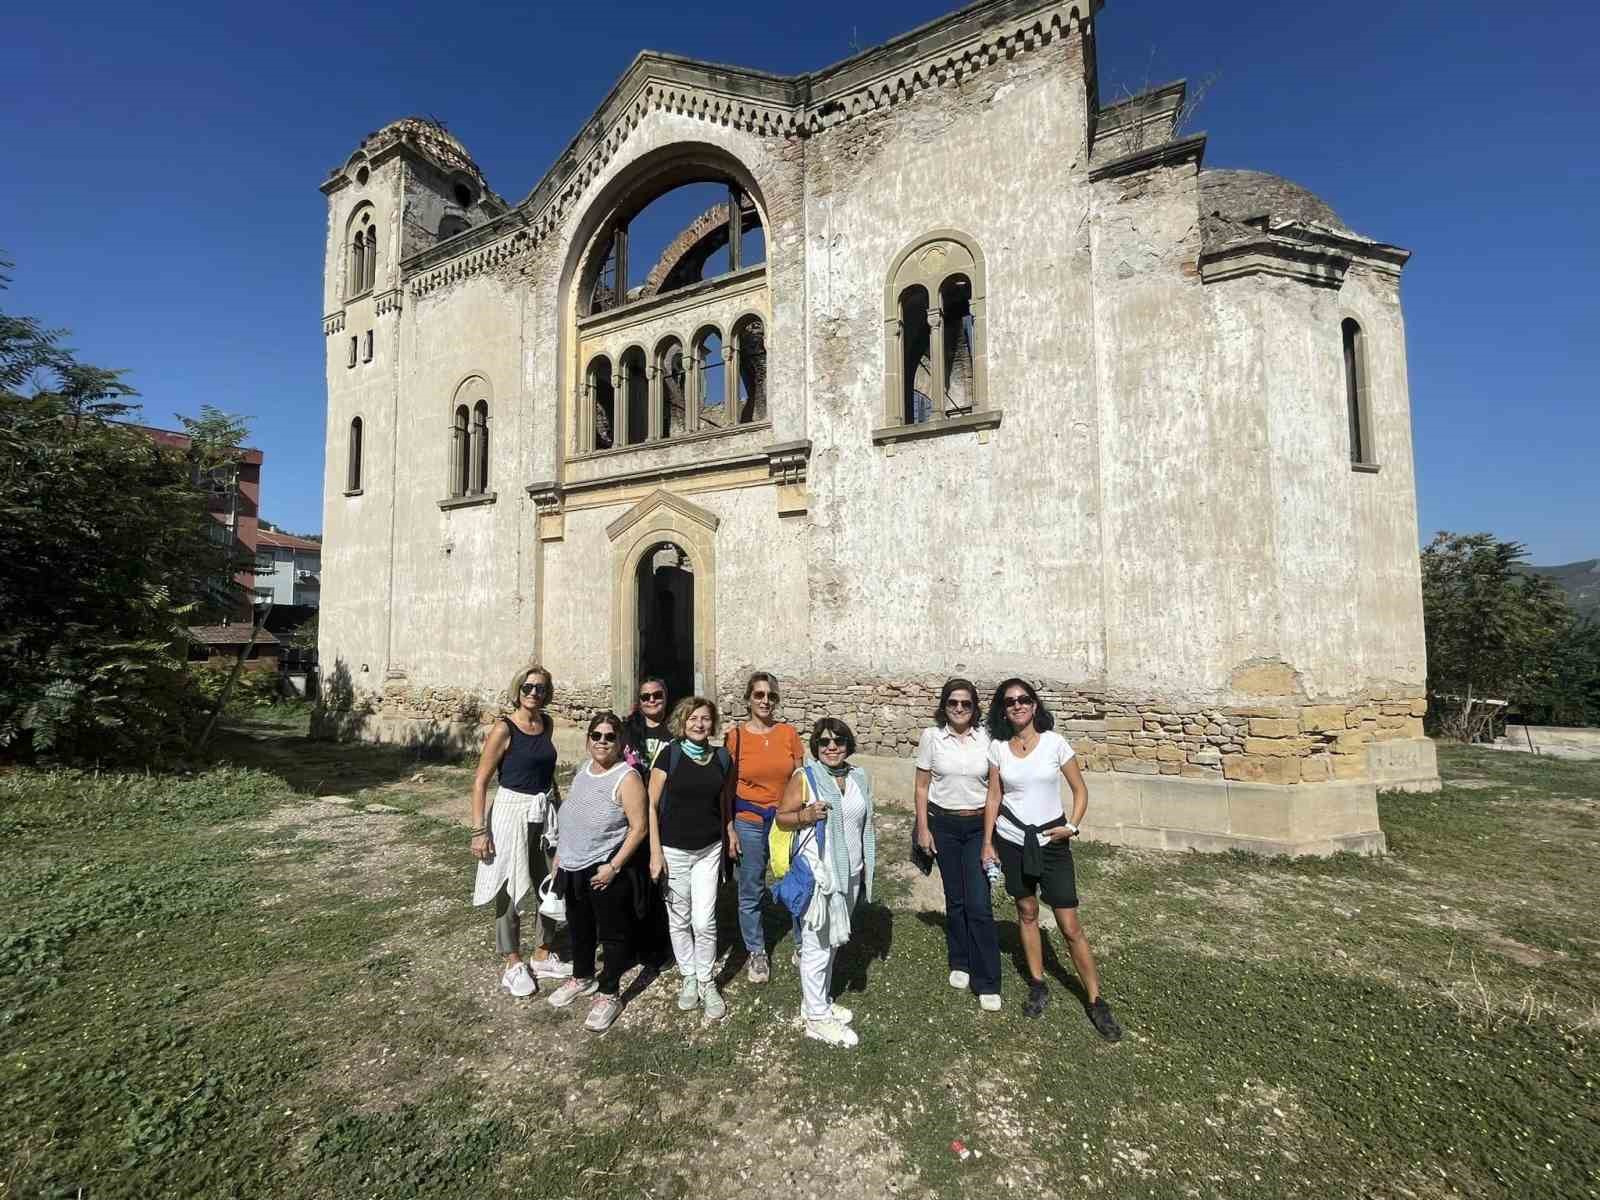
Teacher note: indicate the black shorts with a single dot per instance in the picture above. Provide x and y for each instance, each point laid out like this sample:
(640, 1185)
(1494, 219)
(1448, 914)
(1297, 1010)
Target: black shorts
(1056, 886)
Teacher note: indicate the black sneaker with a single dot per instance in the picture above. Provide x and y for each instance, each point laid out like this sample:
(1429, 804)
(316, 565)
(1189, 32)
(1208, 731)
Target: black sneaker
(1038, 997)
(1104, 1023)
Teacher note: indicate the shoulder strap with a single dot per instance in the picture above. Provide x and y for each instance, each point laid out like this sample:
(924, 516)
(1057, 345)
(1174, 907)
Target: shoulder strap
(674, 756)
(723, 759)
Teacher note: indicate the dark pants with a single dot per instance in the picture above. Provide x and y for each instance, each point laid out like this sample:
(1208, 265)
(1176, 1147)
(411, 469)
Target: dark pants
(970, 936)
(603, 917)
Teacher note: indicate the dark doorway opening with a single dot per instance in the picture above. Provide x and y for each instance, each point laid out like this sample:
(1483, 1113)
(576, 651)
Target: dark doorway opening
(666, 618)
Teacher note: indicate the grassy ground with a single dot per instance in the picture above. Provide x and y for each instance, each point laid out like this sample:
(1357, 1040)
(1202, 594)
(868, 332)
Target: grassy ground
(228, 984)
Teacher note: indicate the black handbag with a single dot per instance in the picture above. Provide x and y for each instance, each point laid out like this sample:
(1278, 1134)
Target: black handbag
(920, 858)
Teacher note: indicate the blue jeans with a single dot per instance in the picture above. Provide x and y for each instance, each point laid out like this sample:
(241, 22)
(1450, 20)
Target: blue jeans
(970, 937)
(752, 882)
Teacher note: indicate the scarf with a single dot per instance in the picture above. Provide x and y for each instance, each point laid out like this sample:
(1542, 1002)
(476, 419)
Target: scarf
(699, 753)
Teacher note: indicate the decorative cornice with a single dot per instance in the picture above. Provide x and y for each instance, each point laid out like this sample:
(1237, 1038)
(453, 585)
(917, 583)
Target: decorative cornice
(1298, 250)
(388, 302)
(333, 323)
(661, 498)
(786, 461)
(1182, 150)
(945, 51)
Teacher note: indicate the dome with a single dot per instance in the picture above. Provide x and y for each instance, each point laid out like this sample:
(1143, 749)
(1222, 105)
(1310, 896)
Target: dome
(428, 136)
(1240, 195)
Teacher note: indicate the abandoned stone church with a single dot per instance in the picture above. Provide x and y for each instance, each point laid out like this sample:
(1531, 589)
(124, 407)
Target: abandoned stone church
(939, 367)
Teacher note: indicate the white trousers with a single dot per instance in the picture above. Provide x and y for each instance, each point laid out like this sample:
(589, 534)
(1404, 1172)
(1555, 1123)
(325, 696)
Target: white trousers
(816, 966)
(692, 908)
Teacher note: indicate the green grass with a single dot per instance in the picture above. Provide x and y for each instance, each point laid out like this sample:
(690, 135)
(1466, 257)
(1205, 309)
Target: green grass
(213, 985)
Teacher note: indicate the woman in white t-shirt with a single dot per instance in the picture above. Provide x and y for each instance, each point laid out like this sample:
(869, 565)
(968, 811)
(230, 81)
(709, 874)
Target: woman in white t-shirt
(1024, 807)
(951, 789)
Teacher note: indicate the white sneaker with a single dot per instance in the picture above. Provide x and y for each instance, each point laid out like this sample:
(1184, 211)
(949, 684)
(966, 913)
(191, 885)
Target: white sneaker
(834, 1033)
(989, 1002)
(838, 1012)
(550, 968)
(604, 1014)
(959, 979)
(571, 990)
(689, 993)
(518, 982)
(716, 1006)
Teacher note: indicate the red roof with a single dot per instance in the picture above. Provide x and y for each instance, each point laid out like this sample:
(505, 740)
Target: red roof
(272, 538)
(182, 441)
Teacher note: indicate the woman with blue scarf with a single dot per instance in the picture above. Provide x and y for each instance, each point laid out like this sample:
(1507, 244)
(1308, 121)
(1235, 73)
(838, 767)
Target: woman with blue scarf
(829, 805)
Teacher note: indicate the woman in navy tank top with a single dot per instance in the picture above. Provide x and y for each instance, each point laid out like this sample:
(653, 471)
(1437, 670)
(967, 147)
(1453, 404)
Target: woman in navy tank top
(508, 830)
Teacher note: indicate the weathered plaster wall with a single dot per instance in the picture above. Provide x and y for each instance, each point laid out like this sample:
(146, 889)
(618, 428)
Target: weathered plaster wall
(987, 552)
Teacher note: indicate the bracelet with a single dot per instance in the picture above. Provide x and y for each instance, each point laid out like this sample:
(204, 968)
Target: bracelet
(1070, 826)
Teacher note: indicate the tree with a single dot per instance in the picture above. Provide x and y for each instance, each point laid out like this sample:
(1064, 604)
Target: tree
(110, 554)
(1492, 632)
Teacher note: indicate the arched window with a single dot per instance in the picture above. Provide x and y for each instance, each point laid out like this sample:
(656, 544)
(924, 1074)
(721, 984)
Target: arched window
(935, 332)
(916, 367)
(635, 395)
(710, 380)
(1357, 406)
(480, 448)
(460, 452)
(450, 225)
(670, 377)
(601, 394)
(352, 475)
(357, 272)
(750, 359)
(955, 320)
(362, 264)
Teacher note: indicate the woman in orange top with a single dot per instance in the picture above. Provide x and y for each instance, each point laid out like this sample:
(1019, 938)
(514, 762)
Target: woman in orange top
(765, 752)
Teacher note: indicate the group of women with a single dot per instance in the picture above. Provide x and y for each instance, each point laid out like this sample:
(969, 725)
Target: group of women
(658, 817)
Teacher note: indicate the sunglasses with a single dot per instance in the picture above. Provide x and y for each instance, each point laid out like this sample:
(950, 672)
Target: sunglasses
(828, 739)
(773, 696)
(958, 704)
(1019, 702)
(535, 689)
(605, 739)
(647, 697)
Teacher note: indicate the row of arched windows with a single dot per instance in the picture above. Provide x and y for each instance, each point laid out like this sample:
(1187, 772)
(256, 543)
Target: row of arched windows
(714, 384)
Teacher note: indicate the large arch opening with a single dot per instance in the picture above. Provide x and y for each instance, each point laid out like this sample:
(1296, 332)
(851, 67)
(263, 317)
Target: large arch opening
(664, 583)
(677, 241)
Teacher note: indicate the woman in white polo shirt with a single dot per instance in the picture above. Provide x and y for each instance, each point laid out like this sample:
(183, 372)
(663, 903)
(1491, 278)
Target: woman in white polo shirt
(1024, 807)
(952, 788)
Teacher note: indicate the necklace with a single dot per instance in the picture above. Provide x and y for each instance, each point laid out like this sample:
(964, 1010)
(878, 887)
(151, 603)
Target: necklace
(1022, 745)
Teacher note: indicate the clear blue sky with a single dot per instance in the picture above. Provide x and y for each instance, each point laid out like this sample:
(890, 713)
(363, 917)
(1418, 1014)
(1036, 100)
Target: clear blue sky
(161, 168)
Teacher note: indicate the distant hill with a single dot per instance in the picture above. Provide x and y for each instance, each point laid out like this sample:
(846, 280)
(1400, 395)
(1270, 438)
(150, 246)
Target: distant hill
(1580, 581)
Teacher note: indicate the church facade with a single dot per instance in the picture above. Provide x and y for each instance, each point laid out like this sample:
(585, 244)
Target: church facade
(959, 372)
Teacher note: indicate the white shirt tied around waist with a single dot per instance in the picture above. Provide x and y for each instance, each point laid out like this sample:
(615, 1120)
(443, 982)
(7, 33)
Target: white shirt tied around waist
(959, 765)
(1030, 786)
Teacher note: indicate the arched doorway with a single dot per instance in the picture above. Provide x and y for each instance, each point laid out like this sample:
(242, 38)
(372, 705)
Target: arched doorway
(665, 590)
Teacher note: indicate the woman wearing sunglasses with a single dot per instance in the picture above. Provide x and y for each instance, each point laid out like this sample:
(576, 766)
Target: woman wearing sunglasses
(765, 754)
(644, 735)
(830, 796)
(951, 790)
(507, 835)
(1024, 807)
(602, 824)
(644, 730)
(686, 838)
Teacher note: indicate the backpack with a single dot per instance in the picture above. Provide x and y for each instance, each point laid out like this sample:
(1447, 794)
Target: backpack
(781, 856)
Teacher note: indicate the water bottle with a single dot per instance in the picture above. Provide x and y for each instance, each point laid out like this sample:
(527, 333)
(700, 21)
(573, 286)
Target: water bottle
(992, 870)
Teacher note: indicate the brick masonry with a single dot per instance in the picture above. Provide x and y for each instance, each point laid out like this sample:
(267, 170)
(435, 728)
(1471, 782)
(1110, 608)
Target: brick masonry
(1286, 743)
